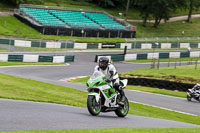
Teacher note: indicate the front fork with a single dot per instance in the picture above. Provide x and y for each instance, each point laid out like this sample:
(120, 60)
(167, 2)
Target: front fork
(97, 95)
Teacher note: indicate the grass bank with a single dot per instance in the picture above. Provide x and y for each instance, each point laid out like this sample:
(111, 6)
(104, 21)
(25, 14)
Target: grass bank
(10, 26)
(24, 63)
(3, 50)
(165, 29)
(19, 88)
(25, 89)
(185, 74)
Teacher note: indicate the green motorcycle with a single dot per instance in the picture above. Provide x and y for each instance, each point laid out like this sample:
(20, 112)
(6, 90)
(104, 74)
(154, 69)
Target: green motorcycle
(103, 98)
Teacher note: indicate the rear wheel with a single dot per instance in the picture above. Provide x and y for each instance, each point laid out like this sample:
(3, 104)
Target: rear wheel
(189, 98)
(93, 107)
(122, 111)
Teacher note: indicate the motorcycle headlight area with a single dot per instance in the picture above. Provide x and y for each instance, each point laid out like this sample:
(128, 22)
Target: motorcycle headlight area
(97, 83)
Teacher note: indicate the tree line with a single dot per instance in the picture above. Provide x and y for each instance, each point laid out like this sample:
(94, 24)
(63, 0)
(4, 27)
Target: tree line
(149, 9)
(156, 9)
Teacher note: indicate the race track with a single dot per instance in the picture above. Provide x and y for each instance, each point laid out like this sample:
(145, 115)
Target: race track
(21, 115)
(25, 115)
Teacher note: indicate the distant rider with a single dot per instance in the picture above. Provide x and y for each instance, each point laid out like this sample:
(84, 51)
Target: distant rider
(196, 88)
(112, 76)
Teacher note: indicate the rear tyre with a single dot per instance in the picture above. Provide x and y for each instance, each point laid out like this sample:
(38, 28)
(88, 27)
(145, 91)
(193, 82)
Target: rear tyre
(93, 107)
(189, 98)
(122, 111)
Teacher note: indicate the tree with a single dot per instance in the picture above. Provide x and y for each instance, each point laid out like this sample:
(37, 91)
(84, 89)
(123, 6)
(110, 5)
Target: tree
(105, 3)
(158, 9)
(145, 8)
(127, 6)
(162, 9)
(192, 5)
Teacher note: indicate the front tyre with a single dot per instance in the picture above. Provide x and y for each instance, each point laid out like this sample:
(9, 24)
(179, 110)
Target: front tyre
(93, 107)
(189, 97)
(122, 111)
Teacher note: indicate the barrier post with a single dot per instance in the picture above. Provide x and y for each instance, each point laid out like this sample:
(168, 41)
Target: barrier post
(40, 44)
(10, 43)
(125, 49)
(43, 30)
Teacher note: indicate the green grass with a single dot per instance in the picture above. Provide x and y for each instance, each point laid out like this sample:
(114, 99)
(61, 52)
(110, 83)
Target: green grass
(116, 130)
(10, 26)
(185, 74)
(180, 12)
(18, 88)
(27, 63)
(157, 91)
(163, 30)
(25, 89)
(80, 80)
(178, 60)
(3, 50)
(169, 29)
(149, 111)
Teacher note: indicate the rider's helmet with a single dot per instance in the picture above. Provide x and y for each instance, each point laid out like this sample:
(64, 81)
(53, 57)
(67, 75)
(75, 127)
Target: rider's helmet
(103, 63)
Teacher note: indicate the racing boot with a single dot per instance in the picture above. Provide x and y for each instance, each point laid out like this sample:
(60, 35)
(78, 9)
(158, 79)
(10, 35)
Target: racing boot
(123, 98)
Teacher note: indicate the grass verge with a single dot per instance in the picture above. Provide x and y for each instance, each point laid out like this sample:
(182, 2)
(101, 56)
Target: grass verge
(80, 80)
(19, 88)
(157, 91)
(24, 89)
(116, 130)
(165, 29)
(3, 50)
(184, 74)
(27, 63)
(10, 26)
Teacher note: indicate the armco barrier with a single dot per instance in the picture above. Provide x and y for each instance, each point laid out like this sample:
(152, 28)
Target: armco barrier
(113, 57)
(161, 84)
(71, 44)
(155, 55)
(35, 58)
(15, 58)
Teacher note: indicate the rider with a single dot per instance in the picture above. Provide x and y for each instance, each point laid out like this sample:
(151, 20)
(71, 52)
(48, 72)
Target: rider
(196, 88)
(110, 72)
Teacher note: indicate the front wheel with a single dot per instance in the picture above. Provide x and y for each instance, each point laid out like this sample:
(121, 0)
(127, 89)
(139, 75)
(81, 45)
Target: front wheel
(122, 111)
(189, 97)
(93, 107)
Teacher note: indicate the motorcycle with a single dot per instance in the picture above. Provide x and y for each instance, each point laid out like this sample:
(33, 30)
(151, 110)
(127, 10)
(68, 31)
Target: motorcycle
(191, 93)
(103, 98)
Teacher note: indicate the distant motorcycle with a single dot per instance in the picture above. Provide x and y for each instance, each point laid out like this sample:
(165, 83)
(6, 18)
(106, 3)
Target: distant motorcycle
(194, 93)
(103, 98)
